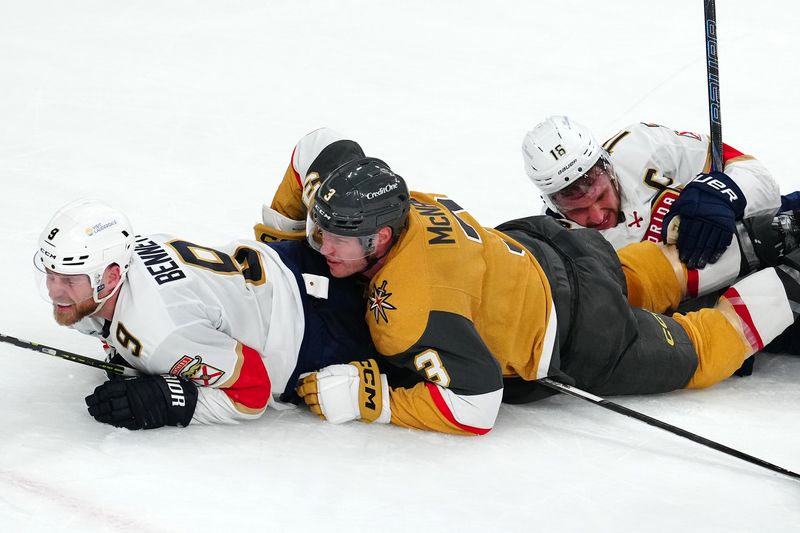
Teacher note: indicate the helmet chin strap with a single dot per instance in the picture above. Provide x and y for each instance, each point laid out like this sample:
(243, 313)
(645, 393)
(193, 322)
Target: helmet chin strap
(102, 301)
(372, 260)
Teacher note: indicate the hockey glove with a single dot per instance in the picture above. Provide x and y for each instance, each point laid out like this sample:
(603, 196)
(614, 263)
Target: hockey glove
(340, 393)
(144, 402)
(708, 208)
(278, 227)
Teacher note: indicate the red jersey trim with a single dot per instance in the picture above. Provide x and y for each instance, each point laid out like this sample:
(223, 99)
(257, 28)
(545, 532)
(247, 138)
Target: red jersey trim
(441, 404)
(692, 282)
(250, 392)
(751, 333)
(729, 152)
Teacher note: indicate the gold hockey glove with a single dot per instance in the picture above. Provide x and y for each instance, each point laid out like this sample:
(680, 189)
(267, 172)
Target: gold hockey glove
(278, 227)
(267, 234)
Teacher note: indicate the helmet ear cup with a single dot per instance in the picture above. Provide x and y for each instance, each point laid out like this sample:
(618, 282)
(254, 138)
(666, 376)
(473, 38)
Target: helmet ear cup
(557, 152)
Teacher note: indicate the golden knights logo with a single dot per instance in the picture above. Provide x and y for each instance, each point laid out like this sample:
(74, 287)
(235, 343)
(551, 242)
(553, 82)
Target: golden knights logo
(198, 372)
(378, 302)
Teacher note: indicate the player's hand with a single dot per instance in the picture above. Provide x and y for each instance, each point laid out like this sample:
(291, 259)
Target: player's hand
(278, 227)
(145, 402)
(708, 208)
(340, 393)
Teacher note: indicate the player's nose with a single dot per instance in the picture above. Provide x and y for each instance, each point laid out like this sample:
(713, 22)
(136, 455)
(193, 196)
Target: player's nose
(595, 215)
(326, 248)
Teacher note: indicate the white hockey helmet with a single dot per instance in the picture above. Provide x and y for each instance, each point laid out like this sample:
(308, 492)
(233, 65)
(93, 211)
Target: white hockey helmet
(557, 152)
(85, 237)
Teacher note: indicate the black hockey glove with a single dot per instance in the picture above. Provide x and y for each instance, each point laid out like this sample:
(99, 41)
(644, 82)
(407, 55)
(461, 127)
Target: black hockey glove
(708, 208)
(144, 402)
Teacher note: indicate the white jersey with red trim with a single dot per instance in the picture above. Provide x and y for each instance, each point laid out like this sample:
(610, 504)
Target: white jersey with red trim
(653, 163)
(228, 318)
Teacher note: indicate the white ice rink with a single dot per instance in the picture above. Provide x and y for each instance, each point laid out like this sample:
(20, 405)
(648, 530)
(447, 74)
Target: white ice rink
(184, 114)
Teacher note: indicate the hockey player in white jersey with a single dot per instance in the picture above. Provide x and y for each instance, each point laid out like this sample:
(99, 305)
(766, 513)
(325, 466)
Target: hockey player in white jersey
(640, 178)
(218, 333)
(632, 187)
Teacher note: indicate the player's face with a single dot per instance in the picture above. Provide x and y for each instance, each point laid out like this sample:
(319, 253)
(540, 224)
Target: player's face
(71, 296)
(592, 201)
(345, 255)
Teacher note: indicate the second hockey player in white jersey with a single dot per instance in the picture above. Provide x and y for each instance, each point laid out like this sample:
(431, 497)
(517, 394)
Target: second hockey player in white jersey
(218, 332)
(628, 187)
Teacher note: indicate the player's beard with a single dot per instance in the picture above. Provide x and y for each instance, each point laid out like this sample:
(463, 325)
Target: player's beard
(70, 314)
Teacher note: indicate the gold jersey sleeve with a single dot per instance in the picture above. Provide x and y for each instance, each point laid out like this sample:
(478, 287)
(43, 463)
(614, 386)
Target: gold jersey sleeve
(288, 199)
(463, 306)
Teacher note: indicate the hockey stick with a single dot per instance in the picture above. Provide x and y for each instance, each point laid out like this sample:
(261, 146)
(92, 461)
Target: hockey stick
(578, 393)
(712, 70)
(120, 370)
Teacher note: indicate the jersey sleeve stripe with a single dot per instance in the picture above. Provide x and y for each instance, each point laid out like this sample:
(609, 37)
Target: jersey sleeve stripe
(481, 408)
(760, 302)
(729, 152)
(750, 331)
(237, 370)
(543, 368)
(692, 282)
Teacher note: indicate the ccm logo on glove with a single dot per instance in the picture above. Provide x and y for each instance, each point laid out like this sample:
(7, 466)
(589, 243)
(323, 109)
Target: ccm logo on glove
(369, 391)
(340, 393)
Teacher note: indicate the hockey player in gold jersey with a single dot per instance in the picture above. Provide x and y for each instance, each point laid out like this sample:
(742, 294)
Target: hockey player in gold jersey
(479, 314)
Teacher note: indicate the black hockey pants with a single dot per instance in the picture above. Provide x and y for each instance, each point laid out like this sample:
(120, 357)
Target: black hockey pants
(604, 345)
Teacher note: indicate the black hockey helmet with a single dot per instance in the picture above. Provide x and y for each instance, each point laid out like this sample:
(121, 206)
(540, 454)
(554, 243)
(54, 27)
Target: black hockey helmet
(359, 198)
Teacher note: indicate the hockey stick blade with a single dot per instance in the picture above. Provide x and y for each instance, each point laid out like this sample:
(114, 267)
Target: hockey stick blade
(120, 370)
(578, 393)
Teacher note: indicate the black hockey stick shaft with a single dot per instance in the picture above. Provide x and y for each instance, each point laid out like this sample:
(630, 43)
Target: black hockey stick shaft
(69, 356)
(712, 70)
(578, 393)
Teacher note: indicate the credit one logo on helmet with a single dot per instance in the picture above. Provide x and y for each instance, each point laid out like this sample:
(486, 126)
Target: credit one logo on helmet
(97, 228)
(382, 190)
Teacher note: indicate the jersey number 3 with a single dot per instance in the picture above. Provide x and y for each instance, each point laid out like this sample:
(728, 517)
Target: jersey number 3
(431, 363)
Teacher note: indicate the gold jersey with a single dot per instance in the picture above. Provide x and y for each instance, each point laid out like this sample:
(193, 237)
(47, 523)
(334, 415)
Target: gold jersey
(463, 306)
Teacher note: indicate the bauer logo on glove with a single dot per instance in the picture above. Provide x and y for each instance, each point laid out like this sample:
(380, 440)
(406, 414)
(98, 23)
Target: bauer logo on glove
(708, 208)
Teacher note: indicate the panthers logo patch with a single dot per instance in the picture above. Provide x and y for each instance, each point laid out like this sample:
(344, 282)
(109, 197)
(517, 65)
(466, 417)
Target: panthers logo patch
(195, 370)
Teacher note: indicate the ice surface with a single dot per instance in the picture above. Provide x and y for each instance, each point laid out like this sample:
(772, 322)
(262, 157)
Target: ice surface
(184, 113)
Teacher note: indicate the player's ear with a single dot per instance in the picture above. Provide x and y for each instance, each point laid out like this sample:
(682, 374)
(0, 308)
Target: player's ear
(384, 236)
(112, 275)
